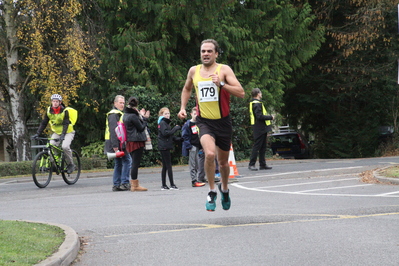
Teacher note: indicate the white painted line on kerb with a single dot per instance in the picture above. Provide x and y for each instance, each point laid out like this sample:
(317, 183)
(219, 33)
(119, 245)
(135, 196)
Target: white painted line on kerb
(329, 188)
(8, 182)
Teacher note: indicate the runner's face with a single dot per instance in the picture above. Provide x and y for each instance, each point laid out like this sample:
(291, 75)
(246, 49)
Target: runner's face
(120, 104)
(208, 54)
(55, 103)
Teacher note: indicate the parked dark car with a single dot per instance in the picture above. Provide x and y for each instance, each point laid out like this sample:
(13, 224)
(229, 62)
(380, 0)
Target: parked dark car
(385, 133)
(290, 145)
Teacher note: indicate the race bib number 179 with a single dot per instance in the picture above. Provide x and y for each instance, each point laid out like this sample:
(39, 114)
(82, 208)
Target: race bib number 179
(207, 91)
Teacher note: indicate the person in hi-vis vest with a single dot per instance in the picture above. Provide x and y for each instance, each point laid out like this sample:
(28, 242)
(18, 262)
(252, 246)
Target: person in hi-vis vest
(58, 116)
(260, 122)
(122, 165)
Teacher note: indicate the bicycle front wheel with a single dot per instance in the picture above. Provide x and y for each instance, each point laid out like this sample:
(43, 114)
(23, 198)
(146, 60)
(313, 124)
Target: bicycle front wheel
(41, 169)
(71, 178)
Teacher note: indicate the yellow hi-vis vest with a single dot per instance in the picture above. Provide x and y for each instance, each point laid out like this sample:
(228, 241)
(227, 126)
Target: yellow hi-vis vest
(251, 112)
(56, 121)
(113, 111)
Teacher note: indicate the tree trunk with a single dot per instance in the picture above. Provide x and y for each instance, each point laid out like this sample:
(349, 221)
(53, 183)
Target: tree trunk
(15, 102)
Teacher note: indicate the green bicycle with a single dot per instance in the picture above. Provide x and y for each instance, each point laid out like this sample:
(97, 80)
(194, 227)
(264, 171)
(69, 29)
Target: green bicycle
(52, 159)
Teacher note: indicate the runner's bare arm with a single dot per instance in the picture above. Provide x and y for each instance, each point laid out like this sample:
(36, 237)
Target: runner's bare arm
(232, 85)
(186, 93)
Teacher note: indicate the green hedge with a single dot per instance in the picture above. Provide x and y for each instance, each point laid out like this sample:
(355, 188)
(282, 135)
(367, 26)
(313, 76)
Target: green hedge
(25, 167)
(15, 168)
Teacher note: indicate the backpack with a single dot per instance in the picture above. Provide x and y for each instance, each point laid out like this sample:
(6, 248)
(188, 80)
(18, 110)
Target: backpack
(73, 115)
(120, 131)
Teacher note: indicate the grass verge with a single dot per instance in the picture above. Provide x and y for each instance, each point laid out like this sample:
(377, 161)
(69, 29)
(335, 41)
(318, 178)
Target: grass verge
(25, 243)
(392, 172)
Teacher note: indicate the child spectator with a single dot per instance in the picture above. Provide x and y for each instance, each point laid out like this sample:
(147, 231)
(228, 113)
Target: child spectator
(165, 144)
(191, 148)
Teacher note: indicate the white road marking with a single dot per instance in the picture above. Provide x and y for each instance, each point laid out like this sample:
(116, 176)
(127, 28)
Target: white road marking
(307, 171)
(329, 188)
(390, 193)
(310, 192)
(314, 194)
(310, 183)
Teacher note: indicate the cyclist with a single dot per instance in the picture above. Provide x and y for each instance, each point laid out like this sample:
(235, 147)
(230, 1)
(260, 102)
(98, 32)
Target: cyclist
(61, 126)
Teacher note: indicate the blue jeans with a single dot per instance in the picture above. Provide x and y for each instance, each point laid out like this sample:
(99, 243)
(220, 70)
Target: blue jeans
(122, 170)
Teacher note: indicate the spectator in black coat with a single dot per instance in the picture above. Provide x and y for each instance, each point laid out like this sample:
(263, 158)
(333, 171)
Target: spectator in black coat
(136, 123)
(166, 140)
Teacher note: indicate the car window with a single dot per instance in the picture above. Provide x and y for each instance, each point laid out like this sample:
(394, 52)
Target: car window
(285, 139)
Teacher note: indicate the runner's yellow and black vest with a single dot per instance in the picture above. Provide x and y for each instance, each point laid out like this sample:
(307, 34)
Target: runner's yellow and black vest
(251, 112)
(213, 102)
(113, 111)
(56, 122)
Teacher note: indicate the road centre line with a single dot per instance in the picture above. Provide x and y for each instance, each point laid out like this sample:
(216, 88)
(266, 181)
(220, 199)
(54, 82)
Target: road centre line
(310, 183)
(325, 217)
(329, 188)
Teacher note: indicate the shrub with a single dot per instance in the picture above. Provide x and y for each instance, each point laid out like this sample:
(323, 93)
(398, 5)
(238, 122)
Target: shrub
(388, 147)
(15, 168)
(25, 167)
(93, 163)
(94, 149)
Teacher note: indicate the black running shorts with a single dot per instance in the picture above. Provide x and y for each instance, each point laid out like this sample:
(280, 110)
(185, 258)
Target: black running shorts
(220, 129)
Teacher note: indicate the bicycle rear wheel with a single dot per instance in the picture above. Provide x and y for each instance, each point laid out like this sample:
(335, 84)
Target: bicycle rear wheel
(73, 177)
(41, 169)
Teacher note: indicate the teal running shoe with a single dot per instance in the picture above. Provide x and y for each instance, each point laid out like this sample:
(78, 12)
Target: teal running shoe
(211, 201)
(225, 199)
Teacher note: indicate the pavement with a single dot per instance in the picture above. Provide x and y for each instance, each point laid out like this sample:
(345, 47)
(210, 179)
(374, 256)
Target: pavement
(69, 250)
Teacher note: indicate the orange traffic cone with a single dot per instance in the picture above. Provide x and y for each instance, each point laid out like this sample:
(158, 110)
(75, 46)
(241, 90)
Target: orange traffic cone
(232, 163)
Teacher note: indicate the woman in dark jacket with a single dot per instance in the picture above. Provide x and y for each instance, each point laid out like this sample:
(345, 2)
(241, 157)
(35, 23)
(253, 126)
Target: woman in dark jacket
(135, 122)
(165, 144)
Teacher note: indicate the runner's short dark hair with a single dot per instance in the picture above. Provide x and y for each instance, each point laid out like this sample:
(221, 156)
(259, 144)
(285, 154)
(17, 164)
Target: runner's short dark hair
(215, 43)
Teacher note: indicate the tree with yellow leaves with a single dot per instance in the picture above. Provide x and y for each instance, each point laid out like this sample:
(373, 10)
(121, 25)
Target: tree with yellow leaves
(43, 50)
